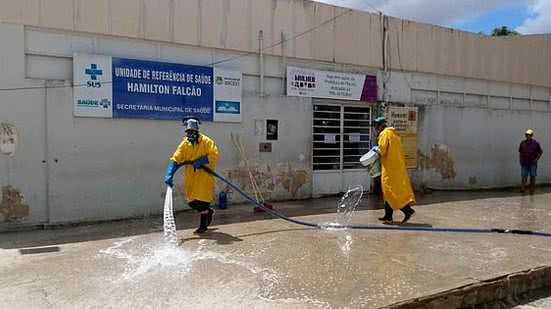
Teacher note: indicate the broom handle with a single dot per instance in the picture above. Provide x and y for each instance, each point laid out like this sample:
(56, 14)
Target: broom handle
(247, 165)
(234, 140)
(246, 160)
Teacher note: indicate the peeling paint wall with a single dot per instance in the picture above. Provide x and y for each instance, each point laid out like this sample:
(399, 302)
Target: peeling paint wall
(476, 148)
(283, 183)
(8, 139)
(263, 176)
(12, 208)
(439, 159)
(469, 130)
(292, 181)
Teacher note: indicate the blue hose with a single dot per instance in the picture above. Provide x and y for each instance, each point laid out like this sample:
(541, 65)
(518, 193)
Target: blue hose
(377, 227)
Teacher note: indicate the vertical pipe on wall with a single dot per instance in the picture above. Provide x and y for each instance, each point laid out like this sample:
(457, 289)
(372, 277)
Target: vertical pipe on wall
(261, 52)
(283, 60)
(531, 99)
(341, 146)
(47, 152)
(386, 59)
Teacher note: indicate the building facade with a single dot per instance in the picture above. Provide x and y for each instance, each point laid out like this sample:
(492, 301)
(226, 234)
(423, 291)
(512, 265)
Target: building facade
(469, 99)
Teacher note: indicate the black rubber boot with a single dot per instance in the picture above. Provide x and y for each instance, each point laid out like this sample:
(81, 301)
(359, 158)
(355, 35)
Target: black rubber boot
(408, 213)
(210, 216)
(202, 225)
(388, 214)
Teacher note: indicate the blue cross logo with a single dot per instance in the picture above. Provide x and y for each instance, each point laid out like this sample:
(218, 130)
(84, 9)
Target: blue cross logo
(93, 71)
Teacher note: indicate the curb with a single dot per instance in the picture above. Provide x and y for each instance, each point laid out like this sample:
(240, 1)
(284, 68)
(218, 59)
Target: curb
(484, 292)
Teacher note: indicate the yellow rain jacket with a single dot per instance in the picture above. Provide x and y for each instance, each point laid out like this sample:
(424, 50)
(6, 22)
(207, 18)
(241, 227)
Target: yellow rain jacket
(397, 191)
(199, 184)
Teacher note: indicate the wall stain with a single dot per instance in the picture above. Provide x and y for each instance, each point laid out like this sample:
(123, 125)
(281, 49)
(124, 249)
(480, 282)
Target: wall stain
(473, 180)
(8, 138)
(292, 181)
(439, 159)
(11, 205)
(264, 180)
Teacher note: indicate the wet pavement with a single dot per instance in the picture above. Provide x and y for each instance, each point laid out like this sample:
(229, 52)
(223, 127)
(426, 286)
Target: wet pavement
(543, 303)
(250, 261)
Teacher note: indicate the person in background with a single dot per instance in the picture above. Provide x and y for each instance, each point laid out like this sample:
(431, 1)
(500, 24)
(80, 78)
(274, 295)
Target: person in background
(529, 153)
(395, 183)
(195, 151)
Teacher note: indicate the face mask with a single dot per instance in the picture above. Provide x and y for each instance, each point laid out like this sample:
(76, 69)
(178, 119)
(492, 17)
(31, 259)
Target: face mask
(192, 136)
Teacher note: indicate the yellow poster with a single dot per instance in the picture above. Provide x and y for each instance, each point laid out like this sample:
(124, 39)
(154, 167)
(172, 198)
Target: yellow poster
(404, 120)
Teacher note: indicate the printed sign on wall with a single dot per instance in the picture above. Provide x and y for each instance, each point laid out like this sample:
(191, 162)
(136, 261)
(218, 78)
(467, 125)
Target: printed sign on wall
(271, 129)
(92, 91)
(332, 85)
(227, 89)
(159, 90)
(404, 120)
(111, 87)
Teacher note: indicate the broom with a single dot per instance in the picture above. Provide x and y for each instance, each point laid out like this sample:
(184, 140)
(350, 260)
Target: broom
(257, 192)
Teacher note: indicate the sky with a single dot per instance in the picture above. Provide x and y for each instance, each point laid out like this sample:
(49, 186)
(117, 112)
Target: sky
(525, 16)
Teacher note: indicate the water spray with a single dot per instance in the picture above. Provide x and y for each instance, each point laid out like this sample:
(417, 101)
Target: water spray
(169, 226)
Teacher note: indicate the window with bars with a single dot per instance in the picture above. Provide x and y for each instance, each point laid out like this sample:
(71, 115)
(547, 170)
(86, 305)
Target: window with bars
(341, 135)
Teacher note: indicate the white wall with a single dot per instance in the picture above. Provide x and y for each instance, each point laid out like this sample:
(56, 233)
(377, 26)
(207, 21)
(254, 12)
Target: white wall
(315, 32)
(470, 130)
(110, 168)
(472, 148)
(113, 168)
(75, 169)
(25, 172)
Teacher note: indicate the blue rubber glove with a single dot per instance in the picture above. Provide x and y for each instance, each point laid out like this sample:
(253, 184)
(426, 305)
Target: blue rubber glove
(170, 170)
(200, 162)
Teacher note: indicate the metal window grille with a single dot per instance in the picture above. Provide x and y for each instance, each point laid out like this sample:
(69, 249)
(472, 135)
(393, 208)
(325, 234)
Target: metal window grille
(341, 135)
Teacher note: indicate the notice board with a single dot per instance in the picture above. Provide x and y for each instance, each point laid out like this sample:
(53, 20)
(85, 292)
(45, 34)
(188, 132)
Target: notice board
(404, 120)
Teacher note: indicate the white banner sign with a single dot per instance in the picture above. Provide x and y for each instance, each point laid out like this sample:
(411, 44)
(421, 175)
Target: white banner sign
(93, 90)
(332, 85)
(227, 93)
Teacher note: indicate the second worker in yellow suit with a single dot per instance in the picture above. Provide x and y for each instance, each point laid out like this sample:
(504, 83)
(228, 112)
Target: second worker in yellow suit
(397, 191)
(195, 151)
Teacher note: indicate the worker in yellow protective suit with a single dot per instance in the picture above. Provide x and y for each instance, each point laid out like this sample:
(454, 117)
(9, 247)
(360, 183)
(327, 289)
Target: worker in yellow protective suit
(195, 151)
(397, 191)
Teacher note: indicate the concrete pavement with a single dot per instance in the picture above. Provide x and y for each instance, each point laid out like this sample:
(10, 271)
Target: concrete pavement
(270, 263)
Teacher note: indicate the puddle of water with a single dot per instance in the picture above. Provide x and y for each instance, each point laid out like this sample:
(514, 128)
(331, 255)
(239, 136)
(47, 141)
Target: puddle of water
(147, 258)
(161, 258)
(143, 258)
(150, 257)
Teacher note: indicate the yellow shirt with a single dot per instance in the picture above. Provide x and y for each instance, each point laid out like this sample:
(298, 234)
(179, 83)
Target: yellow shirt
(198, 184)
